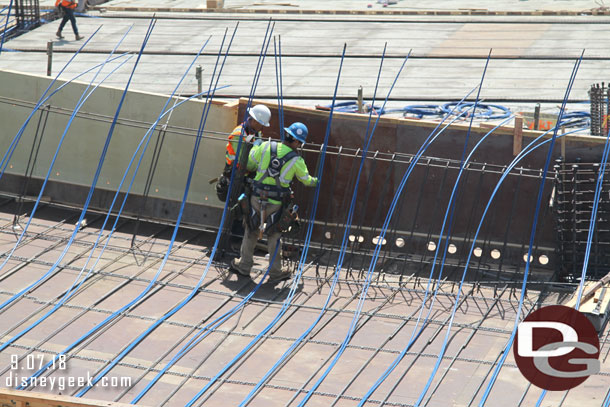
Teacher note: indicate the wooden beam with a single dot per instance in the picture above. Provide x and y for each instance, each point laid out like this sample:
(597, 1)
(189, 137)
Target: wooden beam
(9, 397)
(518, 135)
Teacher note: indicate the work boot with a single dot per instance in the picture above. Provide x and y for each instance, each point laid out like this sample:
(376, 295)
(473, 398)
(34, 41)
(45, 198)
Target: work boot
(58, 34)
(235, 268)
(78, 37)
(283, 276)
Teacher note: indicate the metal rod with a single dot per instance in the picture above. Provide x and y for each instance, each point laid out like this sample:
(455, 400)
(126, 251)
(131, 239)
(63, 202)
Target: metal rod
(199, 77)
(49, 57)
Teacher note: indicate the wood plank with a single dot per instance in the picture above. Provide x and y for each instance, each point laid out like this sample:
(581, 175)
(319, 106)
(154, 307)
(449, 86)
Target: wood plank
(27, 398)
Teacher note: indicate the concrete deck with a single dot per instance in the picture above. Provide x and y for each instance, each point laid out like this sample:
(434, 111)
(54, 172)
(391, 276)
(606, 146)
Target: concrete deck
(481, 329)
(532, 56)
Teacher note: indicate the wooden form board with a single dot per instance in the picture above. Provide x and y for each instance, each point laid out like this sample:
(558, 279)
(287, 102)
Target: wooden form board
(16, 398)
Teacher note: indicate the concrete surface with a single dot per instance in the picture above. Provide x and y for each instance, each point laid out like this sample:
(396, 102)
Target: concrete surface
(386, 325)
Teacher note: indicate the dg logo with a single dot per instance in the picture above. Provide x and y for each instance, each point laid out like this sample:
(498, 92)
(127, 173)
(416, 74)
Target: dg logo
(557, 348)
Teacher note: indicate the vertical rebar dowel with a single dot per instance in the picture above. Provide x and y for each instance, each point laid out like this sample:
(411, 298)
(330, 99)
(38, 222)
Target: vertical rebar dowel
(326, 233)
(515, 199)
(606, 98)
(472, 219)
(29, 169)
(437, 202)
(603, 102)
(360, 100)
(387, 250)
(49, 57)
(596, 263)
(199, 77)
(537, 116)
(595, 110)
(574, 220)
(561, 205)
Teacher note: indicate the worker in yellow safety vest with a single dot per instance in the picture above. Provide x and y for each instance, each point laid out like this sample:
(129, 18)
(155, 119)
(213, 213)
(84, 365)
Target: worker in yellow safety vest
(276, 164)
(67, 8)
(251, 133)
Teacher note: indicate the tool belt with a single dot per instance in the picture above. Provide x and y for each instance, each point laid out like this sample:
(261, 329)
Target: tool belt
(265, 191)
(286, 220)
(222, 185)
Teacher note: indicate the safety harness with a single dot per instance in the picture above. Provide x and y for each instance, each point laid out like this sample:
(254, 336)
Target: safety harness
(274, 170)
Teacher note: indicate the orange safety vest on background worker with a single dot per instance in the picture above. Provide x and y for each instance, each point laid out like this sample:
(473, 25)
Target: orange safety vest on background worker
(66, 3)
(234, 140)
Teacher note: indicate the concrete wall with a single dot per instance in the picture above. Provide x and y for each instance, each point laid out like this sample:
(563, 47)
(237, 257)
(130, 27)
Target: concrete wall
(419, 216)
(81, 149)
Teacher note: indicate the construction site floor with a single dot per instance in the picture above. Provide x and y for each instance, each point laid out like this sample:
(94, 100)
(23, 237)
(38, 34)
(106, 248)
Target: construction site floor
(389, 319)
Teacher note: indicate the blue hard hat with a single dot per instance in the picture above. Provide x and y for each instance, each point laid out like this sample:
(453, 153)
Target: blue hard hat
(297, 131)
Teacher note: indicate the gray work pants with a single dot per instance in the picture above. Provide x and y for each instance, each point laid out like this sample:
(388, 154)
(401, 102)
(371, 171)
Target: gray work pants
(248, 244)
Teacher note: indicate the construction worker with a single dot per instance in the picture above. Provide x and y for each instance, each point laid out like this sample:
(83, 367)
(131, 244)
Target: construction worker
(276, 164)
(251, 133)
(67, 8)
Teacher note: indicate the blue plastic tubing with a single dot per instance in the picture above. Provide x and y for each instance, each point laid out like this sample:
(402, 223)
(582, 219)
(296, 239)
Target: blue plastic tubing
(362, 296)
(211, 326)
(277, 51)
(208, 328)
(146, 138)
(85, 95)
(7, 156)
(8, 16)
(297, 276)
(102, 156)
(532, 236)
(194, 291)
(451, 207)
(596, 199)
(349, 217)
(368, 138)
(139, 297)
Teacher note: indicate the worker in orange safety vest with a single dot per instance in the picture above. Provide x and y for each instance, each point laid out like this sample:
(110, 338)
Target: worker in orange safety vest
(67, 8)
(251, 133)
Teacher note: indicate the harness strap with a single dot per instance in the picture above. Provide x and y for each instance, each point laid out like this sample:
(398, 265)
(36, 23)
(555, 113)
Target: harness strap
(274, 170)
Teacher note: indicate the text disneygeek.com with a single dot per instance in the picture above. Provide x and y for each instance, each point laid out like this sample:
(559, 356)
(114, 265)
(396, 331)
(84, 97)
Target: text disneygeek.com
(31, 363)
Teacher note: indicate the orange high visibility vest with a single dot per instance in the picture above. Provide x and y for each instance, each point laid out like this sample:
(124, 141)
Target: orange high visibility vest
(233, 142)
(65, 3)
(234, 136)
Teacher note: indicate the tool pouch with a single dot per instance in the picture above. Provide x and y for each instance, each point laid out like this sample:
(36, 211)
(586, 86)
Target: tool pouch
(283, 220)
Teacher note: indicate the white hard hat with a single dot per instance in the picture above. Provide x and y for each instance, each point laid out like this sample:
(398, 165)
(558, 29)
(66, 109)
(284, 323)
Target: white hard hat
(261, 114)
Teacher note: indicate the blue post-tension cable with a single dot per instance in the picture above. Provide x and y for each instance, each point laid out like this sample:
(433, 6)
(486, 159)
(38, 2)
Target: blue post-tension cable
(8, 16)
(146, 137)
(267, 375)
(205, 331)
(427, 143)
(297, 276)
(41, 279)
(101, 161)
(9, 152)
(198, 139)
(196, 288)
(280, 92)
(367, 141)
(451, 211)
(362, 295)
(532, 236)
(81, 101)
(218, 321)
(417, 332)
(592, 221)
(606, 401)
